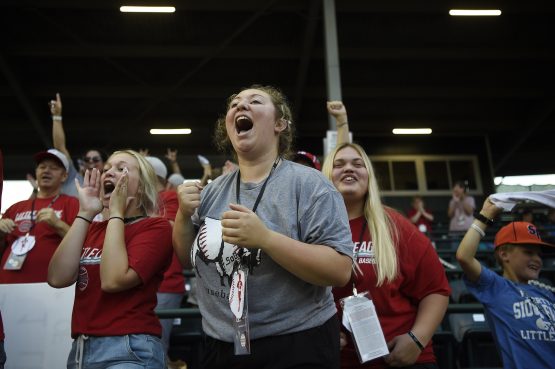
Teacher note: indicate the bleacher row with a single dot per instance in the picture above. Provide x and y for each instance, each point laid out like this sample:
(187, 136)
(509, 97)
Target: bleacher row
(463, 340)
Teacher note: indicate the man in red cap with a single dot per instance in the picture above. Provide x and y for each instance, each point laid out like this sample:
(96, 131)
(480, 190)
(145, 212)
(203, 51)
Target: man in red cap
(31, 230)
(520, 310)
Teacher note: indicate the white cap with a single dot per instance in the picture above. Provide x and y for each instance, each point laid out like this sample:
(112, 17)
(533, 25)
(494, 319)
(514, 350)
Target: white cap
(52, 154)
(158, 165)
(176, 179)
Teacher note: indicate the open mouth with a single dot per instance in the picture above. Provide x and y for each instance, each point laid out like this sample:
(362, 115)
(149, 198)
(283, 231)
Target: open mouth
(243, 124)
(108, 188)
(348, 179)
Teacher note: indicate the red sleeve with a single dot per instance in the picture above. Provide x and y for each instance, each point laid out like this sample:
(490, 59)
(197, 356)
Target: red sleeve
(150, 249)
(419, 263)
(169, 205)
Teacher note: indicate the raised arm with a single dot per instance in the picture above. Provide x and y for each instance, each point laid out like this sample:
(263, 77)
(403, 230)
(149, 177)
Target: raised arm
(58, 133)
(339, 112)
(468, 206)
(184, 233)
(63, 269)
(466, 253)
(427, 215)
(171, 155)
(115, 273)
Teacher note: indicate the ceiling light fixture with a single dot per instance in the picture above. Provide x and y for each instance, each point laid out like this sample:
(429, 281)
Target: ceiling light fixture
(475, 12)
(147, 9)
(164, 131)
(412, 131)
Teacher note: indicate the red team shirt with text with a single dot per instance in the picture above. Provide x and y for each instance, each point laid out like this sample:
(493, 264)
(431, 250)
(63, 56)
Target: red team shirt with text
(35, 266)
(98, 313)
(420, 274)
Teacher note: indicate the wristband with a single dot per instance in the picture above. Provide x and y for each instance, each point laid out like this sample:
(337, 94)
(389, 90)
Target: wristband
(56, 117)
(120, 218)
(482, 218)
(478, 229)
(416, 341)
(342, 124)
(85, 219)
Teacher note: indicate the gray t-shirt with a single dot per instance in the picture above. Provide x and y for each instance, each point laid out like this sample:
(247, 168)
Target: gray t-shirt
(298, 202)
(69, 188)
(460, 220)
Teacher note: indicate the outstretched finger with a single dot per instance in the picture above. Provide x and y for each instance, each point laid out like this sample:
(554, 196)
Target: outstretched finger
(86, 178)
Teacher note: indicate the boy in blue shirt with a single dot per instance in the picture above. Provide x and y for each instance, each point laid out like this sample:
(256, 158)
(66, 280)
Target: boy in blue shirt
(519, 309)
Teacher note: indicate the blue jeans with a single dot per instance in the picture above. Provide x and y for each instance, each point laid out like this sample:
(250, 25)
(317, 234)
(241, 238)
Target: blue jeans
(132, 351)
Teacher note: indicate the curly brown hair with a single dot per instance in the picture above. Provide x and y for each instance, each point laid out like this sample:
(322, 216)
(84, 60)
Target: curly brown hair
(283, 111)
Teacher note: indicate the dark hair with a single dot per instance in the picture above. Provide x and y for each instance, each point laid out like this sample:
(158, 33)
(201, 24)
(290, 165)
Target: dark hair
(462, 184)
(103, 154)
(283, 111)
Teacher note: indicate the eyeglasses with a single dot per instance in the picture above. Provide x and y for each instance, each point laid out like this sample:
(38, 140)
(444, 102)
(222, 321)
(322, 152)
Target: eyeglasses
(94, 159)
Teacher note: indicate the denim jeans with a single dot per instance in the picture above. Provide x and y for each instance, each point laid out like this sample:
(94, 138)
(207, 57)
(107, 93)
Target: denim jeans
(132, 351)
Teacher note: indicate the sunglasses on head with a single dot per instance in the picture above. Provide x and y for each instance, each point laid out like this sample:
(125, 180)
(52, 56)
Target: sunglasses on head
(94, 159)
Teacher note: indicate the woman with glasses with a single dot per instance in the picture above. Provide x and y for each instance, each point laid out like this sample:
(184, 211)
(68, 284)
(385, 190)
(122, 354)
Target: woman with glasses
(94, 158)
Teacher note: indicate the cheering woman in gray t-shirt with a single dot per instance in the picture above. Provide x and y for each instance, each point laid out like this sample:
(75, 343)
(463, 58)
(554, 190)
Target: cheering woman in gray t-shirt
(267, 241)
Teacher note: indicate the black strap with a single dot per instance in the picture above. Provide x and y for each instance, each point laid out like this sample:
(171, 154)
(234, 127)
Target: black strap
(250, 261)
(259, 197)
(33, 223)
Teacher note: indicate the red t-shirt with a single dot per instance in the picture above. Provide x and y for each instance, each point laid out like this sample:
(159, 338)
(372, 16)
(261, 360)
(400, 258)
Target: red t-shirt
(98, 313)
(421, 220)
(35, 266)
(420, 274)
(174, 281)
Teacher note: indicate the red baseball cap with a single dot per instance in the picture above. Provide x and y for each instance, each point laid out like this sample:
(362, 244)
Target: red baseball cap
(519, 233)
(311, 158)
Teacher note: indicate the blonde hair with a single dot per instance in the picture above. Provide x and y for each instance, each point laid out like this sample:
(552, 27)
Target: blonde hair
(147, 192)
(283, 111)
(382, 230)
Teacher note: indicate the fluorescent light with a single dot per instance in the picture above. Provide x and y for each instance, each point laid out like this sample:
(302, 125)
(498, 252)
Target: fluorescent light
(163, 131)
(147, 9)
(475, 12)
(412, 131)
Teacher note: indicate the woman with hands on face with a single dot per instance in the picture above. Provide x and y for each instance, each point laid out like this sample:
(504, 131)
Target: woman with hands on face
(274, 226)
(117, 266)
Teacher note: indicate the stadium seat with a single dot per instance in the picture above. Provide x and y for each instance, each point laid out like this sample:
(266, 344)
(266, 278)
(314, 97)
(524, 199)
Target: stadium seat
(476, 348)
(185, 341)
(459, 292)
(444, 348)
